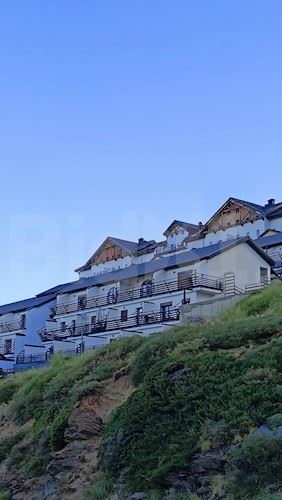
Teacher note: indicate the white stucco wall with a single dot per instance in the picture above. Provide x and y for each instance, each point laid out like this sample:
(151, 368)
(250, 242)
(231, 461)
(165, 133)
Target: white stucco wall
(276, 224)
(242, 260)
(175, 240)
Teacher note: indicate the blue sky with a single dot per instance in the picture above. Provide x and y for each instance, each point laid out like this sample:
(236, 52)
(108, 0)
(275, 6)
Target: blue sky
(118, 116)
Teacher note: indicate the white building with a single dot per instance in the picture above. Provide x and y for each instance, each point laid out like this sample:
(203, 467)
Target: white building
(144, 297)
(237, 218)
(20, 323)
(128, 288)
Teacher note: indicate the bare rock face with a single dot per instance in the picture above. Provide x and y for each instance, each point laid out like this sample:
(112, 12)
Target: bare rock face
(83, 424)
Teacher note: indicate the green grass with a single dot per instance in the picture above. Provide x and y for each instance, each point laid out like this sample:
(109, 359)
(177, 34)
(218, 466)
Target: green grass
(102, 488)
(197, 389)
(47, 397)
(4, 496)
(267, 301)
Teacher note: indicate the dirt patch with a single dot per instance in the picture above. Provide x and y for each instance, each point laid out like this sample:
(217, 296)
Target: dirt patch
(72, 469)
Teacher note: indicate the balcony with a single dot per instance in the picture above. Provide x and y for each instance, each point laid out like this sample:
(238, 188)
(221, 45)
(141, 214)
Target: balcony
(148, 289)
(8, 348)
(12, 326)
(138, 320)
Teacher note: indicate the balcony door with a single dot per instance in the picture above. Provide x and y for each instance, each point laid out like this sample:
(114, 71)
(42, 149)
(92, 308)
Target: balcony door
(166, 311)
(263, 275)
(8, 346)
(185, 280)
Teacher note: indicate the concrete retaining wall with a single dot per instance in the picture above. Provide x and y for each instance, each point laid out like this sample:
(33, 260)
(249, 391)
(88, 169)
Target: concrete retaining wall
(208, 308)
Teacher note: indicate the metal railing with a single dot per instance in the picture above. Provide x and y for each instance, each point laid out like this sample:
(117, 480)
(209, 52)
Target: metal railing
(108, 325)
(7, 349)
(196, 280)
(256, 286)
(11, 326)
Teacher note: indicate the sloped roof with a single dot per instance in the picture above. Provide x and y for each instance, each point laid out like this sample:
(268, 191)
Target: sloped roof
(127, 246)
(23, 305)
(190, 228)
(269, 230)
(266, 241)
(253, 206)
(173, 260)
(275, 211)
(53, 290)
(145, 247)
(269, 210)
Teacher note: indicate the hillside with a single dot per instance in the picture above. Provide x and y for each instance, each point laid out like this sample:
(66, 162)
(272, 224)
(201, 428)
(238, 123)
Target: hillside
(193, 413)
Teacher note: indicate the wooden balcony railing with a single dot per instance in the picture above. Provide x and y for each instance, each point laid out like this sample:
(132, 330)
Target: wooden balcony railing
(107, 325)
(196, 280)
(11, 326)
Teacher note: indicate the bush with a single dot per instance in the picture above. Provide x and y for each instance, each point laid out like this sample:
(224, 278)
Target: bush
(267, 301)
(101, 489)
(4, 496)
(255, 465)
(154, 350)
(6, 444)
(163, 423)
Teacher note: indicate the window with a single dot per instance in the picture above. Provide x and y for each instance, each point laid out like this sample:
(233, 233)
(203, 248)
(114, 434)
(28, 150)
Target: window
(23, 321)
(139, 314)
(124, 315)
(112, 295)
(8, 346)
(63, 326)
(237, 210)
(258, 232)
(237, 222)
(93, 320)
(185, 279)
(166, 311)
(263, 275)
(146, 289)
(81, 301)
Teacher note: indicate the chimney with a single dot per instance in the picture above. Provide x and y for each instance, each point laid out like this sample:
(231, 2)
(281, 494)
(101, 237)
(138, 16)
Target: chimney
(270, 202)
(140, 241)
(200, 224)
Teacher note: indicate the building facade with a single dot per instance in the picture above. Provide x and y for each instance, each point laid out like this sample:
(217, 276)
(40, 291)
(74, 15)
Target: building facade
(128, 288)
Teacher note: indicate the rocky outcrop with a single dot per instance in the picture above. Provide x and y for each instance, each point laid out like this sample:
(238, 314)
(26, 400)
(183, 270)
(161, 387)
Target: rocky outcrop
(71, 470)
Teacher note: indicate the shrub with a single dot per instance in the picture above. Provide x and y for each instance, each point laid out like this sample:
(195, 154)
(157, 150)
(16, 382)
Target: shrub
(4, 496)
(165, 420)
(6, 444)
(255, 465)
(266, 301)
(154, 350)
(101, 489)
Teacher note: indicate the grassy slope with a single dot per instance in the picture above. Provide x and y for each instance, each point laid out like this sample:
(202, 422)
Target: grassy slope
(205, 388)
(198, 389)
(40, 402)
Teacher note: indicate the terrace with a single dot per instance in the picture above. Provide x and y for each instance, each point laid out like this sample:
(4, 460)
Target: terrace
(11, 326)
(148, 289)
(138, 320)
